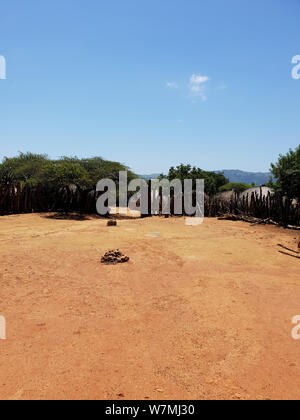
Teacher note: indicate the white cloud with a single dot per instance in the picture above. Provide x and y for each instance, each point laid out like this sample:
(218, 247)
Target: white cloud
(198, 79)
(172, 85)
(197, 86)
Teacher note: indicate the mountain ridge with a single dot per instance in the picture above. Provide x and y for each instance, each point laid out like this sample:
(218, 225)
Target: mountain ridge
(234, 175)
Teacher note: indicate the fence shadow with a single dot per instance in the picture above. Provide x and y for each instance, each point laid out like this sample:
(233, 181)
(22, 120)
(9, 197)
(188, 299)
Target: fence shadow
(288, 249)
(289, 255)
(84, 217)
(69, 216)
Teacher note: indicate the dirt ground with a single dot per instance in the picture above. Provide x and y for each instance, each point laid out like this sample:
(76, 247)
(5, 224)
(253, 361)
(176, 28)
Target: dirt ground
(198, 313)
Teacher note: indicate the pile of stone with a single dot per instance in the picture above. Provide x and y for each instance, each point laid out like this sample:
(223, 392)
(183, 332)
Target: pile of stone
(114, 257)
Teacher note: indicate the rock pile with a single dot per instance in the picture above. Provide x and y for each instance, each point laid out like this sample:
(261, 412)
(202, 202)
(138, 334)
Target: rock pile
(114, 257)
(112, 223)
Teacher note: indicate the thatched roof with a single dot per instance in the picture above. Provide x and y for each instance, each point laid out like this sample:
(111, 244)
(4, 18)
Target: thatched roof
(264, 191)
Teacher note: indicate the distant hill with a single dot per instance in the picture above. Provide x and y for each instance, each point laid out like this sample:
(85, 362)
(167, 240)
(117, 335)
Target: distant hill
(259, 178)
(151, 176)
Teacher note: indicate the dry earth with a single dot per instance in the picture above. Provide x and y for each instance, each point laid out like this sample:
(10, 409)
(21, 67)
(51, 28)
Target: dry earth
(198, 312)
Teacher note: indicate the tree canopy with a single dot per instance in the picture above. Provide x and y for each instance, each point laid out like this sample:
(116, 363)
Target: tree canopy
(34, 169)
(287, 173)
(213, 181)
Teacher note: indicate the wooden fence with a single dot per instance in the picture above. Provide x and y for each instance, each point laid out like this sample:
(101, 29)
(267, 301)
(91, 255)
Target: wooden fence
(274, 207)
(17, 200)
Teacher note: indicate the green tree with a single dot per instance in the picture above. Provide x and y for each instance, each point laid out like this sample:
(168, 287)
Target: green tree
(98, 168)
(27, 168)
(213, 181)
(64, 174)
(287, 174)
(33, 169)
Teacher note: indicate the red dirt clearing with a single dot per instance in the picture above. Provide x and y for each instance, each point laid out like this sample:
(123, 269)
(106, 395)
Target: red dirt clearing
(198, 313)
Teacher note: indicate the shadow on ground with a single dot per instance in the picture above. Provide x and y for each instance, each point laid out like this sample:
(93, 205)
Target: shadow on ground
(290, 253)
(83, 217)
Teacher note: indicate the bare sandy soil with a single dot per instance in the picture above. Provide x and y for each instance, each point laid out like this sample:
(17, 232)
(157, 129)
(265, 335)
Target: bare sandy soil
(198, 312)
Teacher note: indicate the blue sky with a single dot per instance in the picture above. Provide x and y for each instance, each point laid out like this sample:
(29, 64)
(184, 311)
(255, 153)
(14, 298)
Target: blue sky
(151, 83)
